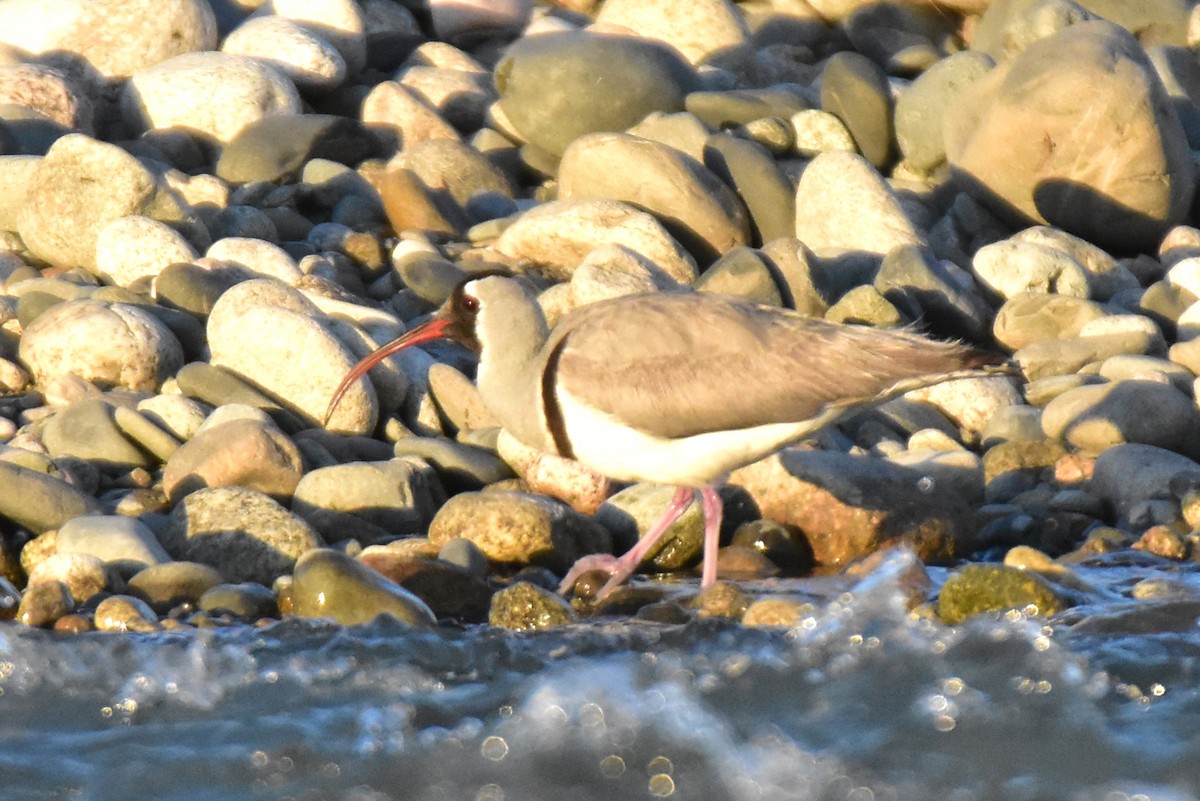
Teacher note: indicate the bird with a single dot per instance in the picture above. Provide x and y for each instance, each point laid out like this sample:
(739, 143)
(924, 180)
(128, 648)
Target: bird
(674, 388)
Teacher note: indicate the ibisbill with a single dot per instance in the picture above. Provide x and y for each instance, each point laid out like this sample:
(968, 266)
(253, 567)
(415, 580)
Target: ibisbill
(671, 388)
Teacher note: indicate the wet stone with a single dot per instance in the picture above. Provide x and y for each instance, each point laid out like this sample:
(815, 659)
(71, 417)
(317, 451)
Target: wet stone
(981, 588)
(329, 584)
(125, 613)
(526, 607)
(449, 590)
(724, 599)
(45, 603)
(82, 574)
(777, 612)
(242, 533)
(248, 601)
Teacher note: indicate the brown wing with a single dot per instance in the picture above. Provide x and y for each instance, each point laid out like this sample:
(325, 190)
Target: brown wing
(675, 365)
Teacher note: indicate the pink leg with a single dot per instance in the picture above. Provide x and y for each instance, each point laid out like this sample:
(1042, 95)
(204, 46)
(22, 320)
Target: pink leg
(711, 504)
(622, 568)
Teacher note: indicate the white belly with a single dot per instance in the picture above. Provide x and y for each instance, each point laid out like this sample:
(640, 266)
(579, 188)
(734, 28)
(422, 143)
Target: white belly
(625, 454)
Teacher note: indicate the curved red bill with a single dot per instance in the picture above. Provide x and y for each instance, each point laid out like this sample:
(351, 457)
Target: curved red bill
(434, 329)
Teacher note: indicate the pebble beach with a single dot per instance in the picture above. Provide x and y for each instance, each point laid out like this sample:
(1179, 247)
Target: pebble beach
(212, 210)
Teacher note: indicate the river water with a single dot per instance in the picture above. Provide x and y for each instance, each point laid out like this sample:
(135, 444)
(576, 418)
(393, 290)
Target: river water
(862, 701)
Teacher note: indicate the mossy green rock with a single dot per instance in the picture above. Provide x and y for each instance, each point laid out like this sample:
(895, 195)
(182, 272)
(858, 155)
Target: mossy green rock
(981, 588)
(524, 607)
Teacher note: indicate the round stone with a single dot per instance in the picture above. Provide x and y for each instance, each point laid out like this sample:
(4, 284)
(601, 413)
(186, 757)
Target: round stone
(699, 29)
(132, 248)
(82, 574)
(527, 607)
(306, 58)
(86, 429)
(173, 583)
(248, 601)
(41, 502)
(47, 91)
(1029, 317)
(699, 210)
(556, 237)
(329, 584)
(556, 87)
(748, 168)
(125, 613)
(987, 588)
(245, 453)
(368, 501)
(855, 90)
(112, 538)
(255, 256)
(339, 22)
(1097, 417)
(921, 108)
(276, 147)
(242, 533)
(212, 94)
(519, 528)
(78, 187)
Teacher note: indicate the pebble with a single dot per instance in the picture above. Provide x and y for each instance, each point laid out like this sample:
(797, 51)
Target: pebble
(212, 94)
(628, 514)
(459, 465)
(241, 532)
(276, 147)
(44, 604)
(368, 501)
(1126, 475)
(980, 588)
(1095, 418)
(557, 87)
(748, 168)
(527, 607)
(170, 584)
(699, 210)
(329, 584)
(397, 116)
(303, 56)
(556, 237)
(116, 539)
(41, 502)
(129, 249)
(83, 574)
(86, 430)
(244, 453)
(843, 204)
(46, 90)
(777, 612)
(922, 107)
(112, 344)
(248, 601)
(125, 613)
(451, 592)
(855, 90)
(519, 528)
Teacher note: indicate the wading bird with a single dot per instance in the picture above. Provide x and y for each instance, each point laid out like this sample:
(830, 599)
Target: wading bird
(671, 388)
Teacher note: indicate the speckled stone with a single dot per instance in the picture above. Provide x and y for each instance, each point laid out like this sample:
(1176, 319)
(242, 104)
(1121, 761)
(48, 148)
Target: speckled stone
(248, 601)
(526, 607)
(300, 54)
(242, 533)
(43, 604)
(329, 584)
(987, 588)
(82, 574)
(133, 248)
(519, 528)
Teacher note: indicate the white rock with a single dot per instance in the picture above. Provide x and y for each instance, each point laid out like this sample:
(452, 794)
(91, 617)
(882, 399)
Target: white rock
(109, 344)
(273, 336)
(179, 416)
(36, 26)
(970, 402)
(844, 205)
(696, 28)
(120, 37)
(78, 187)
(297, 52)
(111, 538)
(445, 56)
(820, 132)
(1012, 266)
(259, 257)
(17, 175)
(83, 574)
(213, 94)
(558, 236)
(129, 248)
(339, 22)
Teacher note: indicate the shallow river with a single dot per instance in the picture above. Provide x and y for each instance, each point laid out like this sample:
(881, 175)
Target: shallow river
(861, 702)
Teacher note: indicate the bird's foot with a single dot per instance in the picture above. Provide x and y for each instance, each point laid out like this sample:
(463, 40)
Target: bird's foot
(616, 568)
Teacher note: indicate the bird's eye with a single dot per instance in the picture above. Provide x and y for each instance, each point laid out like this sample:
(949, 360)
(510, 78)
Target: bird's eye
(469, 304)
